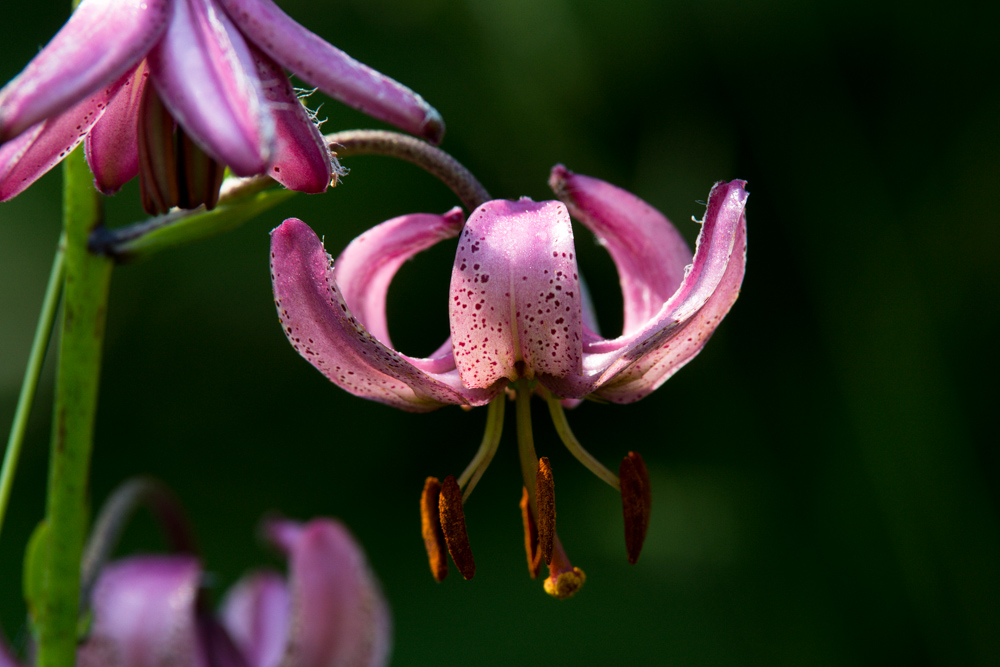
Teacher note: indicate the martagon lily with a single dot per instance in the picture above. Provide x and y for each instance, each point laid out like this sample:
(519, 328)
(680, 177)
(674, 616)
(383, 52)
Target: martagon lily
(518, 317)
(123, 74)
(151, 610)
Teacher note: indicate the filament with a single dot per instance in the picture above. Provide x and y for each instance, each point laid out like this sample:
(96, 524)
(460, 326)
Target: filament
(574, 446)
(487, 449)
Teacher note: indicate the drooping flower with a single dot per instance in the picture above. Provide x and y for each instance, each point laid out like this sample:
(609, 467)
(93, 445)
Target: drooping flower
(518, 315)
(123, 74)
(150, 610)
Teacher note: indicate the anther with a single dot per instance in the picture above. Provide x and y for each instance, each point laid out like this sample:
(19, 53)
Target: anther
(430, 526)
(453, 526)
(636, 503)
(530, 535)
(545, 499)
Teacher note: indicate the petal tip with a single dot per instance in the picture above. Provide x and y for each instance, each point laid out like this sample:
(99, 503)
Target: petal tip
(433, 126)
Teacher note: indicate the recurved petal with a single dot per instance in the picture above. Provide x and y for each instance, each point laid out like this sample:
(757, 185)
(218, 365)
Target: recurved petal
(112, 146)
(144, 614)
(102, 40)
(26, 158)
(368, 264)
(302, 159)
(339, 617)
(207, 79)
(257, 613)
(630, 367)
(648, 251)
(515, 294)
(321, 327)
(688, 320)
(331, 70)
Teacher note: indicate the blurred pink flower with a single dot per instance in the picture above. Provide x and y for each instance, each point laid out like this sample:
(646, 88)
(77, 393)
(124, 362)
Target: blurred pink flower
(216, 68)
(516, 306)
(330, 612)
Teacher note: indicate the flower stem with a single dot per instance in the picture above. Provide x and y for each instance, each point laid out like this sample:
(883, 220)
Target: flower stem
(487, 449)
(38, 347)
(574, 446)
(526, 442)
(88, 279)
(430, 158)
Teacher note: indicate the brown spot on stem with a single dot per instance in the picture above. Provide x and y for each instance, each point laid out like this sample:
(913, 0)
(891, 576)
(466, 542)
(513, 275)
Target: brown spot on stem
(453, 525)
(545, 498)
(636, 503)
(530, 535)
(430, 526)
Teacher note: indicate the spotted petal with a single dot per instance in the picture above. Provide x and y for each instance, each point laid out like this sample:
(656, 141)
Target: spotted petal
(144, 614)
(648, 251)
(102, 40)
(320, 64)
(207, 79)
(515, 305)
(628, 368)
(257, 615)
(339, 617)
(28, 157)
(317, 321)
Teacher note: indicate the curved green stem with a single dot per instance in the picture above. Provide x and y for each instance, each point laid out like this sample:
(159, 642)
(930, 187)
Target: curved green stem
(38, 347)
(88, 278)
(487, 449)
(574, 446)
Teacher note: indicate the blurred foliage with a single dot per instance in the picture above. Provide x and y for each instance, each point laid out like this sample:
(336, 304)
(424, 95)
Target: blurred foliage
(825, 485)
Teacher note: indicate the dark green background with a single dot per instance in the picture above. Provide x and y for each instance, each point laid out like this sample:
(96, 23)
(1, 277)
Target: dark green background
(825, 485)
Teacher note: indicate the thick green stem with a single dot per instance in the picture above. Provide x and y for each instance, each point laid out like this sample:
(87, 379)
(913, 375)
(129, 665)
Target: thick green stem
(42, 334)
(88, 279)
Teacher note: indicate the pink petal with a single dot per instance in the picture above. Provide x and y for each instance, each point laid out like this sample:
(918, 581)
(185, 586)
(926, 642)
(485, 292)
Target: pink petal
(6, 657)
(112, 146)
(144, 614)
(257, 613)
(207, 79)
(339, 617)
(630, 367)
(367, 266)
(331, 70)
(302, 159)
(320, 326)
(28, 157)
(102, 40)
(515, 294)
(648, 251)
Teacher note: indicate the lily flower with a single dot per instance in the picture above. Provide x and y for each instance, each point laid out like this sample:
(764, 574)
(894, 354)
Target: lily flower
(518, 317)
(175, 90)
(150, 610)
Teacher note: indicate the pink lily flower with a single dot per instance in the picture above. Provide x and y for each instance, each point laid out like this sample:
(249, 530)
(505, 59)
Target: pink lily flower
(515, 306)
(148, 610)
(518, 314)
(121, 74)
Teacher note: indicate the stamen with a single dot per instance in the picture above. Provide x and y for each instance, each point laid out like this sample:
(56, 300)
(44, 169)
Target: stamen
(545, 496)
(198, 175)
(487, 449)
(453, 526)
(531, 549)
(574, 446)
(637, 500)
(430, 526)
(564, 580)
